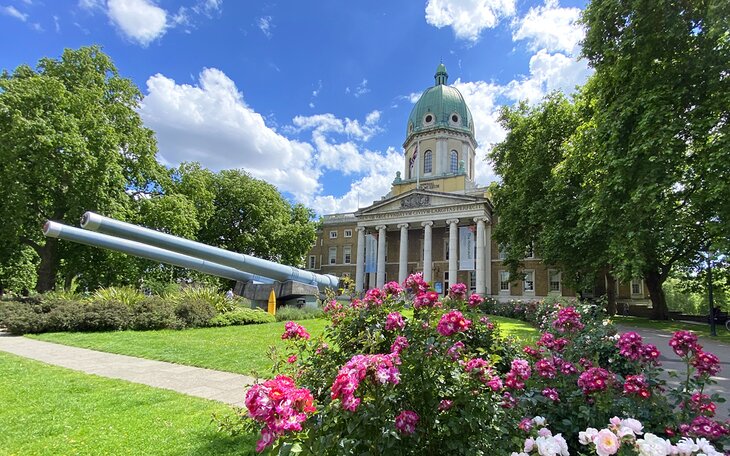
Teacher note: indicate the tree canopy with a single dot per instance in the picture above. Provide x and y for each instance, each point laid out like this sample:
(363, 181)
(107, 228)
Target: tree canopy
(640, 186)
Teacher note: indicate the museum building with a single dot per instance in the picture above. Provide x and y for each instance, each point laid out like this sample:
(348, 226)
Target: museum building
(435, 219)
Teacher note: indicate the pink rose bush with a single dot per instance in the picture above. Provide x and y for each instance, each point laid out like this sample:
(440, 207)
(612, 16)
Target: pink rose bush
(409, 371)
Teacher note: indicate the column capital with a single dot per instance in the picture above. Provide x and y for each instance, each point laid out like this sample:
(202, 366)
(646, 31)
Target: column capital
(425, 224)
(360, 228)
(403, 225)
(480, 219)
(381, 227)
(452, 221)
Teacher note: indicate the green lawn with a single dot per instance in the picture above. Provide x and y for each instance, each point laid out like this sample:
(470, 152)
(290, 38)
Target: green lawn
(240, 349)
(670, 326)
(51, 410)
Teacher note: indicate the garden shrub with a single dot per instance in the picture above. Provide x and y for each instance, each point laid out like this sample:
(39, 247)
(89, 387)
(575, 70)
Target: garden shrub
(155, 312)
(242, 316)
(287, 313)
(125, 295)
(194, 312)
(100, 316)
(208, 294)
(20, 318)
(444, 382)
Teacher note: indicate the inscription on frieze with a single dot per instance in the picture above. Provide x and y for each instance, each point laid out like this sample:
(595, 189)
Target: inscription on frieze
(412, 201)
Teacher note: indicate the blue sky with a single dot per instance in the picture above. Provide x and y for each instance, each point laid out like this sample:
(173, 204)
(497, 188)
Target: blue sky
(310, 96)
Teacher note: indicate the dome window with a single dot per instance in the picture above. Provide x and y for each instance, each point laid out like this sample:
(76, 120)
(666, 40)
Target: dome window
(454, 118)
(428, 119)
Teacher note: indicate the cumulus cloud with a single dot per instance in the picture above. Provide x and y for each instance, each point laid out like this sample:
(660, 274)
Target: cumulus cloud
(550, 27)
(375, 183)
(548, 72)
(468, 18)
(13, 12)
(210, 122)
(139, 20)
(328, 123)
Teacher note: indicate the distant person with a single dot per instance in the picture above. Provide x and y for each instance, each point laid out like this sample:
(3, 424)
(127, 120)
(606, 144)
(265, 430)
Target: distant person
(229, 294)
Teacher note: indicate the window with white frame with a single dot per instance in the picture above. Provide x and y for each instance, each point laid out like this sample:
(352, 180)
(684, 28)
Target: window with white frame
(427, 162)
(333, 234)
(333, 255)
(504, 281)
(554, 277)
(347, 254)
(348, 233)
(528, 283)
(312, 262)
(637, 287)
(502, 252)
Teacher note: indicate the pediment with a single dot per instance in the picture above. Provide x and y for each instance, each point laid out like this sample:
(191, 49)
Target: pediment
(419, 199)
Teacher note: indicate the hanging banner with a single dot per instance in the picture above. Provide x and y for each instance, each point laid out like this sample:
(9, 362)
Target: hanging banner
(371, 254)
(467, 248)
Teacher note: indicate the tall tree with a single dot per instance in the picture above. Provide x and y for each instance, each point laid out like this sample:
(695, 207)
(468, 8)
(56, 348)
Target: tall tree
(70, 140)
(252, 217)
(659, 148)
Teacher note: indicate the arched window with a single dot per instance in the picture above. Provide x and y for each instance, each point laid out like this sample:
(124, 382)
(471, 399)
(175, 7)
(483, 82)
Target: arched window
(427, 167)
(454, 162)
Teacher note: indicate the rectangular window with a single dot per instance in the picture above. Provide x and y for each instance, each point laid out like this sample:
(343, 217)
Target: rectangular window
(472, 280)
(529, 282)
(504, 281)
(502, 252)
(446, 249)
(348, 233)
(333, 255)
(312, 262)
(637, 287)
(554, 279)
(333, 234)
(347, 254)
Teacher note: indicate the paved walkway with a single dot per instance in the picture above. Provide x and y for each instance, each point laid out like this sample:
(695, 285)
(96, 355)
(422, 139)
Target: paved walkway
(195, 381)
(671, 362)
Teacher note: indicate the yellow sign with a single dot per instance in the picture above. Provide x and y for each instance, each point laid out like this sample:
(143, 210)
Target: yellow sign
(272, 302)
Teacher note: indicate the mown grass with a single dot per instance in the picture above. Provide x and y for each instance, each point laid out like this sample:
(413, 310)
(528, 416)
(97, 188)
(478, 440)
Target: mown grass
(240, 349)
(48, 410)
(702, 329)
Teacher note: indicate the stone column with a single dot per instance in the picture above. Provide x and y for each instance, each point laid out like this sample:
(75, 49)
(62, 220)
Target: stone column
(360, 259)
(427, 260)
(380, 275)
(403, 254)
(488, 261)
(480, 255)
(453, 249)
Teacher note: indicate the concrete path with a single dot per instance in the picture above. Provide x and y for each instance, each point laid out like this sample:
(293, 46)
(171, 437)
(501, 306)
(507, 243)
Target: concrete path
(671, 362)
(195, 381)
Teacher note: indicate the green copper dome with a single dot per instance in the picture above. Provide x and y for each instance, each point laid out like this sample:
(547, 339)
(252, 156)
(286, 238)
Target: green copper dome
(440, 106)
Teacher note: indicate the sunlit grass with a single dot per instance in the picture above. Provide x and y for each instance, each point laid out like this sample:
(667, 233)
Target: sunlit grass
(703, 329)
(49, 410)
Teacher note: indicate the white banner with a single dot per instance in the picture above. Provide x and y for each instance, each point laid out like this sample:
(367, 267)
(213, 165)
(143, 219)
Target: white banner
(467, 248)
(371, 254)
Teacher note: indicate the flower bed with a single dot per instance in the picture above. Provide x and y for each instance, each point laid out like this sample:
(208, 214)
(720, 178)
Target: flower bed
(444, 382)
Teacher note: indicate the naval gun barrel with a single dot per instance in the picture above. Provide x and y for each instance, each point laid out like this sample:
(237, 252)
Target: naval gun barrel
(247, 263)
(68, 233)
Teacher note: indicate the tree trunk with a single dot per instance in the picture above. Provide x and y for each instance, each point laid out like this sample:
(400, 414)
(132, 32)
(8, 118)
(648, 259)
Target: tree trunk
(656, 293)
(611, 294)
(48, 267)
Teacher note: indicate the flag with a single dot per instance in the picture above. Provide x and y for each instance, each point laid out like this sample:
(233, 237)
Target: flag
(413, 158)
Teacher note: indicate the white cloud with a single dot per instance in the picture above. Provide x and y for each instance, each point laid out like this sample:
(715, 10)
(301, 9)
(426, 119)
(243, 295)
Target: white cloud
(211, 123)
(91, 4)
(264, 24)
(139, 20)
(13, 12)
(208, 7)
(468, 18)
(359, 90)
(328, 123)
(376, 183)
(550, 27)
